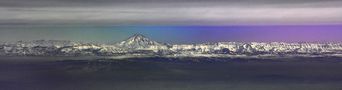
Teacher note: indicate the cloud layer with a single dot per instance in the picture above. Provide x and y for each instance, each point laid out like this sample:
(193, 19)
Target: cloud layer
(169, 12)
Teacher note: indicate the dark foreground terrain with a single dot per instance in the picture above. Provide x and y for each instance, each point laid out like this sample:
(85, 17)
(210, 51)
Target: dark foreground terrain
(171, 74)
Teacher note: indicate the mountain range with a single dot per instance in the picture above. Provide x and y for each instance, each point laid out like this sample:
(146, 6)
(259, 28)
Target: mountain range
(139, 45)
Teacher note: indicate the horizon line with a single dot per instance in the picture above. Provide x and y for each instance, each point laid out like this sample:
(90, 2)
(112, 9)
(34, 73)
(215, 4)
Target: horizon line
(97, 42)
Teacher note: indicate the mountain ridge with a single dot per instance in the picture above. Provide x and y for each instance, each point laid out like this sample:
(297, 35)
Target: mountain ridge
(139, 45)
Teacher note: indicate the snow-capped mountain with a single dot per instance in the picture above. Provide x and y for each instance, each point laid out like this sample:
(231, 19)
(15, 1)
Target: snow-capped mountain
(47, 43)
(139, 41)
(139, 45)
(34, 48)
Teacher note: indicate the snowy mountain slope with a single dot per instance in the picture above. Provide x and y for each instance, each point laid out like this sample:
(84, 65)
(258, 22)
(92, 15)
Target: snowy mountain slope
(138, 41)
(139, 45)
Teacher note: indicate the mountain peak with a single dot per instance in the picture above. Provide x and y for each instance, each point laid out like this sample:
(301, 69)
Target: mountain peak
(139, 41)
(138, 37)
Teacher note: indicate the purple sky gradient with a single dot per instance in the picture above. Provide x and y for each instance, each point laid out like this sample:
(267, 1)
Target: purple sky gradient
(180, 34)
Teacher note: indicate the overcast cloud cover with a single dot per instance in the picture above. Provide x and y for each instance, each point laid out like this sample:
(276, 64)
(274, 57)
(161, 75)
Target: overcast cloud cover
(169, 12)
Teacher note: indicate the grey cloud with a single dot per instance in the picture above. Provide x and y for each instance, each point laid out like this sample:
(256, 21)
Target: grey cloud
(127, 12)
(90, 3)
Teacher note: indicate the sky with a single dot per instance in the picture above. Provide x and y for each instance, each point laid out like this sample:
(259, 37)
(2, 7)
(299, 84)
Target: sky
(174, 21)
